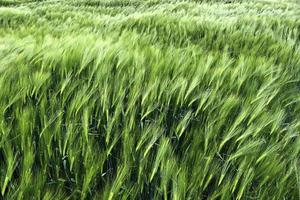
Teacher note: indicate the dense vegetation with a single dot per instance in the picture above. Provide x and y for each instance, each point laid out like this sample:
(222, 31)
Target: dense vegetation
(143, 99)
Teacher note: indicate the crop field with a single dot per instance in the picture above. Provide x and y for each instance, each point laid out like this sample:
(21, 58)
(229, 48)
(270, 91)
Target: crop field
(149, 99)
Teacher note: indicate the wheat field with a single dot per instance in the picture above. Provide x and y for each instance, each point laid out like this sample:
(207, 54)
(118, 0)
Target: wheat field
(149, 99)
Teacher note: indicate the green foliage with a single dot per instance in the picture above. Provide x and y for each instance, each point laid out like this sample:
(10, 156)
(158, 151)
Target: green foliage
(149, 99)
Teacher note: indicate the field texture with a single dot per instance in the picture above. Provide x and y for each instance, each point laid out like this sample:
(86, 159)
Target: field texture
(149, 99)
